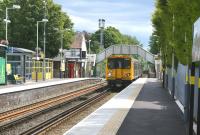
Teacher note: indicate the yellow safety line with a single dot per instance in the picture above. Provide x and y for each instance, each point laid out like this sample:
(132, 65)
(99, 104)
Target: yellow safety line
(199, 83)
(186, 78)
(192, 80)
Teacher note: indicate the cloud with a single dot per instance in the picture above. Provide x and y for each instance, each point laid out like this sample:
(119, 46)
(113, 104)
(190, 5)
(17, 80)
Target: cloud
(131, 17)
(83, 23)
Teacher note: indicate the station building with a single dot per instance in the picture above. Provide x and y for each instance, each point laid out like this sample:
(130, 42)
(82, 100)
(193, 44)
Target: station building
(75, 59)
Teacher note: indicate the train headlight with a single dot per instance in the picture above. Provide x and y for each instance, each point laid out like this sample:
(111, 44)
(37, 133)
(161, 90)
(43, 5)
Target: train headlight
(127, 75)
(109, 74)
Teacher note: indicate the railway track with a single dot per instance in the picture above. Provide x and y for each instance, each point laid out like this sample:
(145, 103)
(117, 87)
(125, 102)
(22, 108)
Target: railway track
(18, 115)
(67, 114)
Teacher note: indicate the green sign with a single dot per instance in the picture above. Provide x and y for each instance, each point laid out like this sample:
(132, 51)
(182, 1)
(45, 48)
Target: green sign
(2, 70)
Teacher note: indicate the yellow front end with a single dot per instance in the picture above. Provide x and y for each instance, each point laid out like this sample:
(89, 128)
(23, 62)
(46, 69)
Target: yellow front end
(120, 73)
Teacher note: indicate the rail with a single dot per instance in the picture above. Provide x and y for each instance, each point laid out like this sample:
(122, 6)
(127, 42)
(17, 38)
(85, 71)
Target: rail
(74, 110)
(35, 109)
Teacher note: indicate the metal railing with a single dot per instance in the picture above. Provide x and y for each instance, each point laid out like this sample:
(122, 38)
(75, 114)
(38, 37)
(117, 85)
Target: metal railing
(125, 49)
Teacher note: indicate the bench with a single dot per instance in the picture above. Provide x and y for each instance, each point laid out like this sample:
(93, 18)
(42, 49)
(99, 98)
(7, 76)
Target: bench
(18, 78)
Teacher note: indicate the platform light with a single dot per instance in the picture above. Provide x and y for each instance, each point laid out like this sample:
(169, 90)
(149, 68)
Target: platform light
(8, 21)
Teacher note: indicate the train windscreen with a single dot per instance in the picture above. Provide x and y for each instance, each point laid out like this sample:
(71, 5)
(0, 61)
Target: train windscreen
(119, 63)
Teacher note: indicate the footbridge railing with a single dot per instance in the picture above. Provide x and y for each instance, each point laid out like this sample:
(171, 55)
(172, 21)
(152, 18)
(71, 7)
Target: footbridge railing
(125, 49)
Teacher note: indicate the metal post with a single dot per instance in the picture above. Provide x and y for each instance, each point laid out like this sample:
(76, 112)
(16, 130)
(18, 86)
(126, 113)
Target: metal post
(6, 78)
(187, 88)
(89, 45)
(44, 61)
(24, 69)
(101, 26)
(89, 60)
(101, 38)
(6, 20)
(198, 110)
(61, 53)
(36, 56)
(191, 106)
(6, 24)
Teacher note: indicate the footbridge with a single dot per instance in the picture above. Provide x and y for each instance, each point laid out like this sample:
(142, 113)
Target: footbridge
(125, 49)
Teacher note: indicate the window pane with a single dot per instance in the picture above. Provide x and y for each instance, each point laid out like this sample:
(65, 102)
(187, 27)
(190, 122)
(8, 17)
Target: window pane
(116, 63)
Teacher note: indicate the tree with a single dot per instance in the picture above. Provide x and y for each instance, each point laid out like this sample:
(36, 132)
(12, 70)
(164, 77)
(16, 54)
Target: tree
(173, 22)
(153, 44)
(22, 29)
(126, 39)
(112, 36)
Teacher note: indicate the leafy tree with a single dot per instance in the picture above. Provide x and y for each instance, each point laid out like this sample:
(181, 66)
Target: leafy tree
(23, 27)
(153, 44)
(126, 39)
(173, 22)
(112, 36)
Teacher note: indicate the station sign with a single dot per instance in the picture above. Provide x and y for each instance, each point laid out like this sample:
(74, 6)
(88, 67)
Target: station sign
(196, 42)
(62, 66)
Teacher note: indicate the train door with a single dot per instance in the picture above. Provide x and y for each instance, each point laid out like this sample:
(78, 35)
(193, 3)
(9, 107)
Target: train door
(118, 71)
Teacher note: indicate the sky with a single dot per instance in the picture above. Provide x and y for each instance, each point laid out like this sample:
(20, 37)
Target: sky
(131, 17)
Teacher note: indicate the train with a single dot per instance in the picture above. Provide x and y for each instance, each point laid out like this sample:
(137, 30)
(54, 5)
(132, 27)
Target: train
(121, 70)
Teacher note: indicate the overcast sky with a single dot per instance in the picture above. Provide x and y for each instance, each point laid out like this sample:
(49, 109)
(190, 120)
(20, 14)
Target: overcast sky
(132, 17)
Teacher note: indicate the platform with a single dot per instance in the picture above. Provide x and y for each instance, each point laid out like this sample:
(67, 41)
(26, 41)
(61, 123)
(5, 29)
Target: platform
(152, 112)
(15, 96)
(34, 85)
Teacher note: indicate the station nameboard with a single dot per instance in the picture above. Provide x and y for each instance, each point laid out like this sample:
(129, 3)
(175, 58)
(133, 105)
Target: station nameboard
(196, 42)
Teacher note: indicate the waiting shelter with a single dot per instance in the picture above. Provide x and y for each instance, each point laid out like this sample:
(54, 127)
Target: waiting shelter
(19, 64)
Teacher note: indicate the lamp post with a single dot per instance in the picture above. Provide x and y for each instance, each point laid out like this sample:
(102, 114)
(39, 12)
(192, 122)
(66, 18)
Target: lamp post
(61, 50)
(101, 27)
(89, 57)
(8, 21)
(89, 41)
(44, 47)
(37, 57)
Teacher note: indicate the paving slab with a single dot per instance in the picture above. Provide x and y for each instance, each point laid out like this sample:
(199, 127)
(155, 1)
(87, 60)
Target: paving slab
(153, 113)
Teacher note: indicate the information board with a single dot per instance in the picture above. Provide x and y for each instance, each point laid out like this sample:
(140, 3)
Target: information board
(2, 70)
(196, 42)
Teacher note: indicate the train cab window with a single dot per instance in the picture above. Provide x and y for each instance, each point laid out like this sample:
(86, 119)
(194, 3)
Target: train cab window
(111, 63)
(126, 63)
(119, 63)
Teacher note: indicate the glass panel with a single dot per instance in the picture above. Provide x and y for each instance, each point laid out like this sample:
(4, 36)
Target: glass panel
(116, 63)
(13, 58)
(2, 52)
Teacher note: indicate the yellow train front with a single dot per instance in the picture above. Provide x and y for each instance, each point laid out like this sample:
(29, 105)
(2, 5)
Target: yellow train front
(122, 70)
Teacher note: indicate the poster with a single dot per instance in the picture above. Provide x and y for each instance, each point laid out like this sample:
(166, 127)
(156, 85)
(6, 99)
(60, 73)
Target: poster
(2, 71)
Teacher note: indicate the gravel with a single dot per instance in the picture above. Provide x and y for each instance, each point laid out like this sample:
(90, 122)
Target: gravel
(21, 127)
(65, 125)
